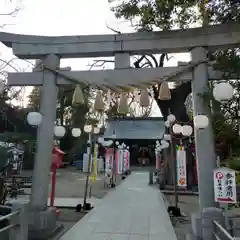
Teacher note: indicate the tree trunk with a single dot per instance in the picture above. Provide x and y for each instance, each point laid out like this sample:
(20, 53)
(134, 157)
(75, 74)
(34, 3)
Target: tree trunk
(176, 106)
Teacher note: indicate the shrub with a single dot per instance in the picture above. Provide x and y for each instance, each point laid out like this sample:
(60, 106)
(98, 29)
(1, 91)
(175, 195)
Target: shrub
(234, 164)
(237, 179)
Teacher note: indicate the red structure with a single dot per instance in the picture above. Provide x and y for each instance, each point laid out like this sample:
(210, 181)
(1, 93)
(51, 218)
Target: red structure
(57, 159)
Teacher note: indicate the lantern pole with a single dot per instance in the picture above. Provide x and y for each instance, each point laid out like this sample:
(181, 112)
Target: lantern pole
(174, 160)
(88, 171)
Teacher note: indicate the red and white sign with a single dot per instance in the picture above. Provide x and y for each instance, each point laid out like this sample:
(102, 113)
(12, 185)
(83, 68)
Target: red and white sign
(219, 175)
(181, 168)
(224, 185)
(126, 160)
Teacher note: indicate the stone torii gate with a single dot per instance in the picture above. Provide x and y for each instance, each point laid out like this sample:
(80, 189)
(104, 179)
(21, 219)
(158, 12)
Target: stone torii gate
(51, 49)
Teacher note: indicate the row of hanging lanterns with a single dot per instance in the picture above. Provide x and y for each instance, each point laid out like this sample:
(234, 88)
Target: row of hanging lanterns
(123, 107)
(222, 91)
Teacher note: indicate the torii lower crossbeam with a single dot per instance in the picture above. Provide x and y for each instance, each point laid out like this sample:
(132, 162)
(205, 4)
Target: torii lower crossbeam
(120, 77)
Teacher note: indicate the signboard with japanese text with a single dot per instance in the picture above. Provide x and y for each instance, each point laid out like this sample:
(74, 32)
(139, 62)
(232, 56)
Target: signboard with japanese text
(120, 161)
(109, 161)
(224, 185)
(181, 168)
(126, 160)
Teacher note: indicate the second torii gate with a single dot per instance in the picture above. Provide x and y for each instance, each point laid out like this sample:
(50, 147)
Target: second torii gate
(51, 49)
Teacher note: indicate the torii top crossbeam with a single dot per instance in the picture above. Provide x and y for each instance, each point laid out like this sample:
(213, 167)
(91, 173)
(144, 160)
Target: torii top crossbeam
(172, 41)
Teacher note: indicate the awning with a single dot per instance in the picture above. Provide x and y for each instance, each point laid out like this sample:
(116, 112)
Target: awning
(135, 128)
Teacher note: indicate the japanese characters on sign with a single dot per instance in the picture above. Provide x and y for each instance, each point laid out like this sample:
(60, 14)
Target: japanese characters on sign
(181, 168)
(224, 185)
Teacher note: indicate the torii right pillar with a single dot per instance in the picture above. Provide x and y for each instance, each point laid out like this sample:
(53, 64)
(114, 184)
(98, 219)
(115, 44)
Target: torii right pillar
(204, 140)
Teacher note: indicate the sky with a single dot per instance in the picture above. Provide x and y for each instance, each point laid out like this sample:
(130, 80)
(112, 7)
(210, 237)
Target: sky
(72, 17)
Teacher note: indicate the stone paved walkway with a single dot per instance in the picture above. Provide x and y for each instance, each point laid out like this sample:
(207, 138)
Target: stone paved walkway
(134, 211)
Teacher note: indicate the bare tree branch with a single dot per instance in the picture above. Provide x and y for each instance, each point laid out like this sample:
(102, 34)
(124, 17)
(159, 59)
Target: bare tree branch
(13, 13)
(99, 63)
(115, 31)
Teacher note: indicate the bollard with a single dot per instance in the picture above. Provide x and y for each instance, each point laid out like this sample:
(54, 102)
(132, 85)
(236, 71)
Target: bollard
(161, 179)
(150, 177)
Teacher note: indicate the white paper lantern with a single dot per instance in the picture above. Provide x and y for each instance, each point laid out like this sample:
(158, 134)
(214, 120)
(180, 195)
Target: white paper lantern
(171, 118)
(76, 132)
(177, 128)
(164, 144)
(87, 128)
(34, 118)
(167, 124)
(200, 121)
(159, 148)
(187, 130)
(100, 140)
(223, 91)
(105, 143)
(59, 131)
(167, 137)
(96, 130)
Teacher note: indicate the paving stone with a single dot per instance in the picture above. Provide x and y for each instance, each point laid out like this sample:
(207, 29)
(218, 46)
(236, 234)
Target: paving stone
(133, 211)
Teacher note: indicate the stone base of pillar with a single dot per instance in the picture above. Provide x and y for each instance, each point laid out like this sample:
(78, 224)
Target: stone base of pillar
(202, 223)
(196, 222)
(190, 236)
(43, 224)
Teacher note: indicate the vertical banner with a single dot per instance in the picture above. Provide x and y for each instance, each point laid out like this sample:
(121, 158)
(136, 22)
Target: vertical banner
(117, 160)
(94, 172)
(126, 162)
(109, 160)
(158, 161)
(181, 168)
(120, 161)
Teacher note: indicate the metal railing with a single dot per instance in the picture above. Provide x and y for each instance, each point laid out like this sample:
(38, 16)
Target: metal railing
(8, 217)
(18, 224)
(220, 233)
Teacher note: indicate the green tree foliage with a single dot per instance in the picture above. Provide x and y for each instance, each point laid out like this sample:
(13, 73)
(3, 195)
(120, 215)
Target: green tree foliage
(12, 118)
(34, 99)
(145, 15)
(66, 115)
(149, 15)
(158, 14)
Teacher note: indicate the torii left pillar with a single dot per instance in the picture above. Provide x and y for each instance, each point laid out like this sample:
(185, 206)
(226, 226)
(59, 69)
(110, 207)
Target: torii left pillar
(43, 219)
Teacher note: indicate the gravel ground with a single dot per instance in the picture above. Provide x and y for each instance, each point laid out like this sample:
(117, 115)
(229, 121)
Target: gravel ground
(188, 205)
(70, 183)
